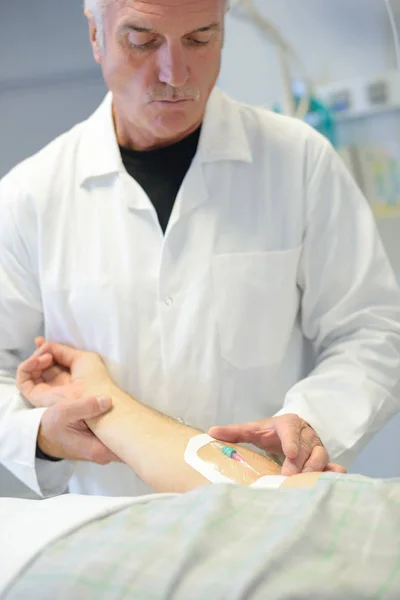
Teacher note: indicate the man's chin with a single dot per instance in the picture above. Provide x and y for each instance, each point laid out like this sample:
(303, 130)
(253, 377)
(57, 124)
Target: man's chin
(175, 120)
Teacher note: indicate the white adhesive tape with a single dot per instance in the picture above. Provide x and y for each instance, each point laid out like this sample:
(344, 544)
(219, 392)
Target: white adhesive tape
(270, 482)
(192, 458)
(212, 474)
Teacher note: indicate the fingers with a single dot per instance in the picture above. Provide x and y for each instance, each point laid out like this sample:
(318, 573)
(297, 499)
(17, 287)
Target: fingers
(42, 363)
(63, 355)
(51, 373)
(32, 368)
(272, 435)
(312, 456)
(281, 433)
(296, 434)
(245, 433)
(289, 429)
(334, 468)
(42, 400)
(39, 341)
(100, 454)
(289, 434)
(85, 409)
(290, 468)
(64, 433)
(318, 460)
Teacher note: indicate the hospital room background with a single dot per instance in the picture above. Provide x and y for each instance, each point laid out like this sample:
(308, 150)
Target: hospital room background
(342, 49)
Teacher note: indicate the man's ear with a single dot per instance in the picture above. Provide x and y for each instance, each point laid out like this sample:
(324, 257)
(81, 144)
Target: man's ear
(94, 37)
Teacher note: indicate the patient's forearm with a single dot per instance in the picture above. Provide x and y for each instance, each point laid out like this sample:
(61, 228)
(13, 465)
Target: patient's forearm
(153, 445)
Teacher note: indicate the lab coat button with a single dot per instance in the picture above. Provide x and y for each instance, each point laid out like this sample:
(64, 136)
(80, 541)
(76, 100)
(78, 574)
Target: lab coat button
(168, 301)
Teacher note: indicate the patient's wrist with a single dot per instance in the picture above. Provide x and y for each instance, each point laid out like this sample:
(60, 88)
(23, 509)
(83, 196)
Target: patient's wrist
(102, 388)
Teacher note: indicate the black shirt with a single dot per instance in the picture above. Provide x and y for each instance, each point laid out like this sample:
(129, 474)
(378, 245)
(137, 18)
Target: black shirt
(161, 172)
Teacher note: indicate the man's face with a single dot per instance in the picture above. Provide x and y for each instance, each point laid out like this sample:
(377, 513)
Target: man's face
(161, 60)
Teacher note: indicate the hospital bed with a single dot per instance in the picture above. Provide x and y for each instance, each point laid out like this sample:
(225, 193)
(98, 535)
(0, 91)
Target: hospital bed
(339, 540)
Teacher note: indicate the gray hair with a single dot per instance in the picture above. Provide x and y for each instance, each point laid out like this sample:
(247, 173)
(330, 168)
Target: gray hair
(97, 8)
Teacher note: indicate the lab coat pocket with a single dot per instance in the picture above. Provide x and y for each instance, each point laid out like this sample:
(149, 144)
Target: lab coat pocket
(256, 301)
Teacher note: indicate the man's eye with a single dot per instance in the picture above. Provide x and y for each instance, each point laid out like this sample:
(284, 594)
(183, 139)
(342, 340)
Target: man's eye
(141, 42)
(198, 41)
(143, 46)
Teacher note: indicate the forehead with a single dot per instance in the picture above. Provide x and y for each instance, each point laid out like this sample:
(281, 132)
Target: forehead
(165, 14)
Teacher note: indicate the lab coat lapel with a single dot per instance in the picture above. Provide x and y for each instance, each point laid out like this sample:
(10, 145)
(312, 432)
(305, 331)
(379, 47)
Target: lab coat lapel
(100, 160)
(193, 191)
(223, 138)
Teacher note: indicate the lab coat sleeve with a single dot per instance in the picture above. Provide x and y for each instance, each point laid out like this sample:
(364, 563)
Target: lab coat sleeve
(350, 311)
(21, 320)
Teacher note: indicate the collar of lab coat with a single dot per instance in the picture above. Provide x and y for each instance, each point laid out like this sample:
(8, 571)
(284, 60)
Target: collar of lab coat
(223, 137)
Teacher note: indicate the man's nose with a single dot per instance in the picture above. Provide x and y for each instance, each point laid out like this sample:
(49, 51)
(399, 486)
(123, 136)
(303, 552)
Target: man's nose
(173, 65)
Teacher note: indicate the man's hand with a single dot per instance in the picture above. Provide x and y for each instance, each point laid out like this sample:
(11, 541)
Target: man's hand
(288, 435)
(56, 372)
(63, 432)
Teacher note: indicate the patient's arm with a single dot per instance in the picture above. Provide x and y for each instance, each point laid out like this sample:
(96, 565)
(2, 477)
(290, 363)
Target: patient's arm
(153, 445)
(303, 480)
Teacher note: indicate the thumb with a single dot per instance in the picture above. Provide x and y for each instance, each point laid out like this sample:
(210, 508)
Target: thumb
(86, 408)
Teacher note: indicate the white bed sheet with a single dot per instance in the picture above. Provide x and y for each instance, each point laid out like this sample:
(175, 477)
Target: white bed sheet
(28, 526)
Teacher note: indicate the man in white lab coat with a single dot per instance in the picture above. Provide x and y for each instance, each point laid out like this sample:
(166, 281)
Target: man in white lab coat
(202, 247)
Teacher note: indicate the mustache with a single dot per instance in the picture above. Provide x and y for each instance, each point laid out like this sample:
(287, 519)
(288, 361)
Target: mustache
(170, 93)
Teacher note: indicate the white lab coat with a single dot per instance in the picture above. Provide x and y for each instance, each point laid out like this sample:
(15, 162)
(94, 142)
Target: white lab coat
(270, 249)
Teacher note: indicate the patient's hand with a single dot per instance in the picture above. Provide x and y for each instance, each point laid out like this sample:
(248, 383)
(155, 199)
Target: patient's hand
(57, 373)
